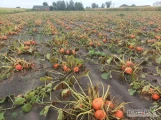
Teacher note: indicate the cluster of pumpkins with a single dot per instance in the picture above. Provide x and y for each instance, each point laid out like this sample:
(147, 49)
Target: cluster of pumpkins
(100, 114)
(128, 67)
(67, 52)
(67, 69)
(20, 66)
(28, 43)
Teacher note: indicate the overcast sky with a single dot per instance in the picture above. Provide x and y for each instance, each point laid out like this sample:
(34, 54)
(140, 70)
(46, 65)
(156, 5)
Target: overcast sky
(30, 3)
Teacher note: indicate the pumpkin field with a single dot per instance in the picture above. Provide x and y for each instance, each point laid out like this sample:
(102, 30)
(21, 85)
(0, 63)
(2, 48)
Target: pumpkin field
(80, 65)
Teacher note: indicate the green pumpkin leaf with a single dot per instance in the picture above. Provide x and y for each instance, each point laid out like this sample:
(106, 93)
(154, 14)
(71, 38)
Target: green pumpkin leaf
(42, 78)
(34, 100)
(103, 54)
(53, 60)
(27, 107)
(110, 60)
(49, 78)
(145, 52)
(49, 90)
(143, 75)
(60, 114)
(158, 70)
(49, 85)
(2, 100)
(1, 115)
(132, 91)
(136, 85)
(19, 101)
(102, 69)
(145, 88)
(105, 76)
(29, 95)
(133, 77)
(30, 50)
(65, 93)
(44, 112)
(48, 56)
(97, 53)
(158, 60)
(86, 73)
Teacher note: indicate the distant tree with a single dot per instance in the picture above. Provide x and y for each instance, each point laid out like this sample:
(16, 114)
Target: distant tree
(108, 4)
(60, 5)
(71, 5)
(157, 3)
(18, 7)
(124, 5)
(67, 5)
(79, 6)
(45, 4)
(54, 6)
(51, 8)
(94, 5)
(133, 5)
(88, 7)
(103, 5)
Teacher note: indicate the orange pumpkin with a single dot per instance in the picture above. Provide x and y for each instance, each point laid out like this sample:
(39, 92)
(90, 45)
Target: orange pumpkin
(128, 70)
(155, 96)
(131, 47)
(91, 43)
(132, 36)
(100, 114)
(76, 69)
(104, 40)
(111, 105)
(62, 50)
(98, 43)
(73, 52)
(123, 67)
(18, 67)
(4, 37)
(129, 64)
(65, 68)
(97, 103)
(139, 48)
(27, 43)
(56, 66)
(33, 42)
(27, 47)
(67, 52)
(119, 114)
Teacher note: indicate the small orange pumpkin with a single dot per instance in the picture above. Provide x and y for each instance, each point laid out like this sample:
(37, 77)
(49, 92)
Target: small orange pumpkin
(139, 48)
(129, 64)
(97, 103)
(111, 105)
(155, 96)
(100, 114)
(76, 69)
(119, 114)
(62, 50)
(128, 70)
(26, 47)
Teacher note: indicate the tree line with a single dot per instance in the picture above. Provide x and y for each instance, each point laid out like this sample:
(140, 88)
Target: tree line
(71, 5)
(106, 4)
(62, 5)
